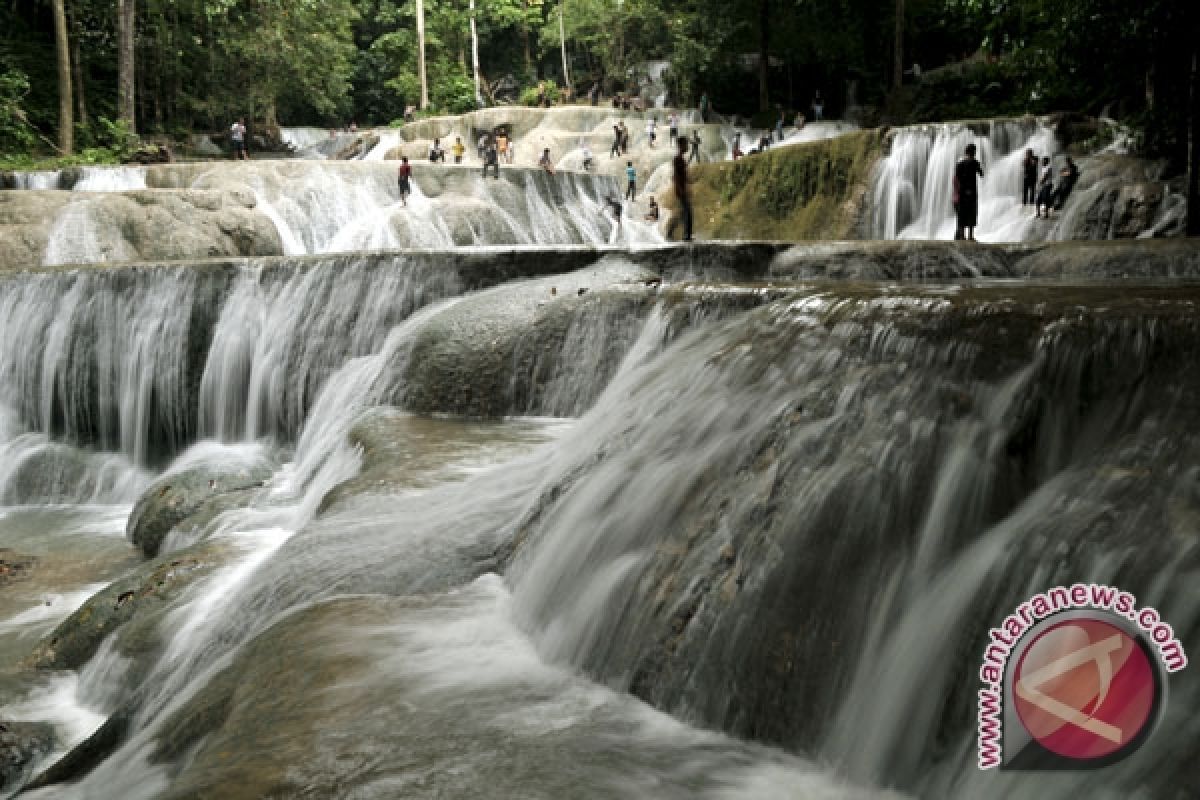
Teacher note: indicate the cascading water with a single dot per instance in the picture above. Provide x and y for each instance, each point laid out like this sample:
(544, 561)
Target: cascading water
(913, 187)
(532, 522)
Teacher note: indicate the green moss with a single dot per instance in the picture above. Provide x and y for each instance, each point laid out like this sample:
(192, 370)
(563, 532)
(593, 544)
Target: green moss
(803, 191)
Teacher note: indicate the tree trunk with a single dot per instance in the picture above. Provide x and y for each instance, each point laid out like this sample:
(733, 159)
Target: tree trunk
(66, 120)
(421, 55)
(898, 55)
(528, 52)
(562, 38)
(764, 58)
(1193, 220)
(77, 74)
(475, 58)
(126, 66)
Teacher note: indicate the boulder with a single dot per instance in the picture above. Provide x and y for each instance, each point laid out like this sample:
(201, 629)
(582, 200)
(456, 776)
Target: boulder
(134, 603)
(21, 744)
(175, 497)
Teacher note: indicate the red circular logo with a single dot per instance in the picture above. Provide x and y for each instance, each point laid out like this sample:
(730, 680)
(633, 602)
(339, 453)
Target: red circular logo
(1084, 688)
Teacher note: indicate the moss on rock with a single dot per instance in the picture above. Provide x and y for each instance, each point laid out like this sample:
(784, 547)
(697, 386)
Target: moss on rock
(806, 191)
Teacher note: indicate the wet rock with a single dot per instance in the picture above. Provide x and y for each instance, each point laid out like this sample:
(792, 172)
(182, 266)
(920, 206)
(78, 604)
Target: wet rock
(134, 603)
(87, 754)
(174, 498)
(522, 350)
(22, 743)
(13, 566)
(130, 226)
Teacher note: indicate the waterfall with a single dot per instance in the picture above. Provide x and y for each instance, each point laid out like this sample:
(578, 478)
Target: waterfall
(913, 186)
(675, 556)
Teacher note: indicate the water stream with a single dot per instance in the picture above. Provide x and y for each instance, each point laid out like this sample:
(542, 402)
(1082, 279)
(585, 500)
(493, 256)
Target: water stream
(543, 523)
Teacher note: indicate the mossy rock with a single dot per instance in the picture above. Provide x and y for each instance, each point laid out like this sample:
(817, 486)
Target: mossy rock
(139, 599)
(813, 190)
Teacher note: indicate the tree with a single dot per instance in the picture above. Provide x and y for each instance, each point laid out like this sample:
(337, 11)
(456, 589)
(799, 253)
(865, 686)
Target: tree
(764, 54)
(475, 57)
(1193, 194)
(62, 47)
(898, 54)
(421, 55)
(126, 62)
(562, 35)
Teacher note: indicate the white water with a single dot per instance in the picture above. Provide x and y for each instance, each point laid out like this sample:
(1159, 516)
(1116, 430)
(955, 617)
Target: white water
(913, 188)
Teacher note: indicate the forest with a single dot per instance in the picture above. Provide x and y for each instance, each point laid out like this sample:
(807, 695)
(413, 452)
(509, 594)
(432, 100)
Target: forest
(80, 74)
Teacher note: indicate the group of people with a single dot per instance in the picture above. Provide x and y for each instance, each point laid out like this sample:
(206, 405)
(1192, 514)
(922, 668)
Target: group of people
(494, 147)
(1038, 188)
(1037, 184)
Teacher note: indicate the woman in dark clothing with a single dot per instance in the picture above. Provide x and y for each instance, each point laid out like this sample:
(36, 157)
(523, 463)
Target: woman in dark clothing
(966, 194)
(1029, 175)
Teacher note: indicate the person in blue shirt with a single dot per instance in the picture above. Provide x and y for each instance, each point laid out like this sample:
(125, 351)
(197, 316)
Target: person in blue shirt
(631, 187)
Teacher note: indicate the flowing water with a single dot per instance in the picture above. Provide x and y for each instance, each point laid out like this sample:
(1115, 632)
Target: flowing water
(516, 529)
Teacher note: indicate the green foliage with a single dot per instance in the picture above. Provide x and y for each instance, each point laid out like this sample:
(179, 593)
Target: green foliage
(452, 90)
(15, 132)
(531, 95)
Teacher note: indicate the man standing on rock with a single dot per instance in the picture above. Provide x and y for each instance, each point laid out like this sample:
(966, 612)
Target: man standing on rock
(679, 178)
(404, 177)
(966, 194)
(491, 159)
(237, 136)
(1029, 178)
(695, 154)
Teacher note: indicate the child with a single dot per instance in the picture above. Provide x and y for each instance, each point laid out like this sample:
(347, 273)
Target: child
(652, 214)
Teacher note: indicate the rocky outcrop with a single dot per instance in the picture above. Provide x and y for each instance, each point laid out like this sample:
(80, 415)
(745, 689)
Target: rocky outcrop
(199, 491)
(1121, 197)
(67, 227)
(814, 190)
(530, 348)
(133, 604)
(21, 744)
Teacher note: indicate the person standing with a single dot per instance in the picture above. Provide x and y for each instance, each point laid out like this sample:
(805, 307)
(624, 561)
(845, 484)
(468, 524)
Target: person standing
(458, 149)
(818, 106)
(545, 162)
(436, 153)
(491, 159)
(481, 145)
(679, 179)
(966, 173)
(404, 178)
(624, 138)
(1029, 178)
(237, 137)
(704, 106)
(651, 131)
(1070, 176)
(616, 145)
(695, 143)
(673, 121)
(631, 181)
(779, 128)
(1045, 193)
